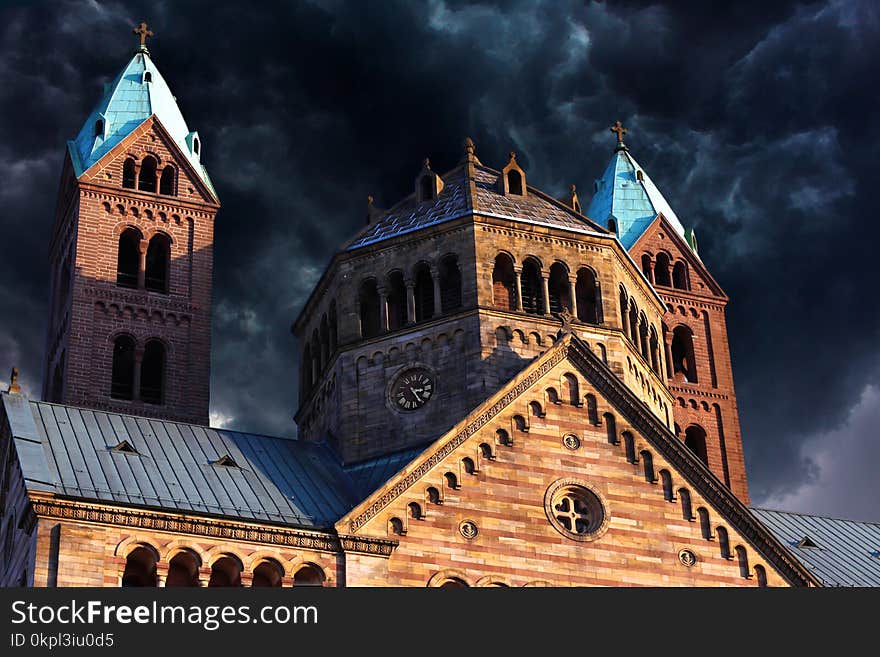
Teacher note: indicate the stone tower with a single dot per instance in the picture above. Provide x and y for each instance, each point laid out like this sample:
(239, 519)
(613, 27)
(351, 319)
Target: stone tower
(131, 257)
(445, 297)
(698, 368)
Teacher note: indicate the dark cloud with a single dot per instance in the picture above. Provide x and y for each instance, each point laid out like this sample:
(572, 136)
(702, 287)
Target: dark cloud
(758, 121)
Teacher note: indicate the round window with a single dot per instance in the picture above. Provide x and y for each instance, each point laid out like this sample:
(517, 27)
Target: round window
(576, 510)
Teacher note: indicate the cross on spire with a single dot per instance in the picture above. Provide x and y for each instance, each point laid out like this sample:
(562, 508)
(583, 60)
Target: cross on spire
(142, 31)
(619, 130)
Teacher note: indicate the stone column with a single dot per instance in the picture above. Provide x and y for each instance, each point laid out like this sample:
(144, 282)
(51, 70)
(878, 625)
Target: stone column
(545, 278)
(667, 343)
(142, 267)
(138, 361)
(517, 272)
(410, 301)
(383, 308)
(572, 287)
(438, 306)
(247, 579)
(204, 576)
(600, 312)
(161, 573)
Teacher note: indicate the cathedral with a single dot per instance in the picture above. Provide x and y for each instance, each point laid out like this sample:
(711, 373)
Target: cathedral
(496, 388)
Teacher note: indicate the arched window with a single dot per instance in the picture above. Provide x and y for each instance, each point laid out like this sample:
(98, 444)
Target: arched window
(503, 283)
(502, 437)
(684, 364)
(148, 77)
(686, 511)
(643, 338)
(559, 288)
(325, 341)
(661, 270)
(317, 365)
(166, 182)
(610, 428)
(451, 480)
(122, 382)
(520, 423)
(306, 369)
(532, 288)
(486, 451)
(680, 276)
(612, 225)
(396, 301)
(128, 258)
(450, 284)
(432, 495)
(368, 299)
(309, 575)
(514, 182)
(592, 410)
(666, 480)
(128, 174)
(634, 323)
(197, 146)
(624, 306)
(267, 574)
(99, 128)
(415, 510)
(334, 328)
(761, 576)
(147, 177)
(723, 542)
(157, 265)
(140, 568)
(629, 445)
(183, 570)
(648, 466)
(586, 295)
(535, 409)
(705, 524)
(646, 267)
(153, 372)
(426, 188)
(552, 396)
(395, 526)
(695, 440)
(743, 558)
(226, 571)
(467, 464)
(571, 389)
(453, 583)
(654, 348)
(424, 293)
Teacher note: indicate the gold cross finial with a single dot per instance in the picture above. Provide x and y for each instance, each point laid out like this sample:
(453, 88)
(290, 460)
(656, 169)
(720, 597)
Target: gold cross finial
(142, 31)
(619, 130)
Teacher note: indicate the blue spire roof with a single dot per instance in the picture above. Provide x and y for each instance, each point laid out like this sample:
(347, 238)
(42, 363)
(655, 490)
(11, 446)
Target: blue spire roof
(136, 94)
(633, 201)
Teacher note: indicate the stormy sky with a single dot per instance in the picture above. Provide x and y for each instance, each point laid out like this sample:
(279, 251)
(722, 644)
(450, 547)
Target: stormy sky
(759, 122)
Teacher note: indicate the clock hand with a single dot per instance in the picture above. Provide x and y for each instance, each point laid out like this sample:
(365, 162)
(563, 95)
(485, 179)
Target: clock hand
(416, 394)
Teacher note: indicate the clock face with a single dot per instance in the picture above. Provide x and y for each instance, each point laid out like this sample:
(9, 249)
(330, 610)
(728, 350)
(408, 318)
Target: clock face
(412, 389)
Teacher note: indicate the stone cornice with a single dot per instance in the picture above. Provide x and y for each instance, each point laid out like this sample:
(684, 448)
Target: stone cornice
(140, 299)
(683, 297)
(148, 200)
(50, 507)
(678, 455)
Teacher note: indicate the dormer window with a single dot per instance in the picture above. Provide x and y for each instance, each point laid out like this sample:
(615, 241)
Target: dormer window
(428, 184)
(513, 178)
(612, 225)
(148, 77)
(514, 183)
(426, 188)
(99, 128)
(196, 145)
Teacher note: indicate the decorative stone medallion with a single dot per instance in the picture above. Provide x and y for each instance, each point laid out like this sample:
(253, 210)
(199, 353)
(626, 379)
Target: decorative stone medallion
(571, 441)
(576, 510)
(687, 557)
(468, 529)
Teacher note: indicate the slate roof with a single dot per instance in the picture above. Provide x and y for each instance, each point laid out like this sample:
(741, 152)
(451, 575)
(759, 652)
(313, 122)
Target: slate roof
(456, 200)
(69, 451)
(127, 102)
(633, 203)
(846, 552)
